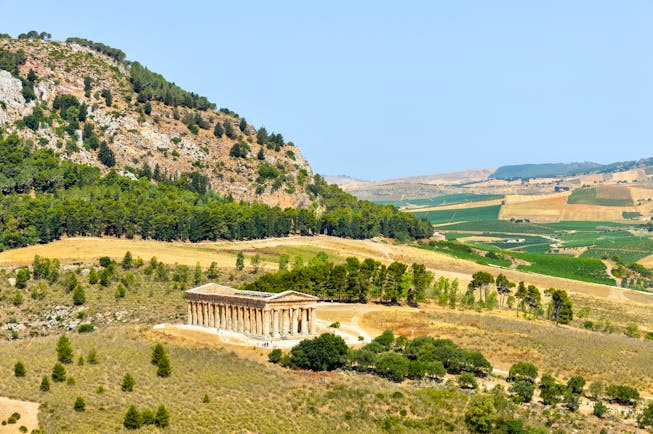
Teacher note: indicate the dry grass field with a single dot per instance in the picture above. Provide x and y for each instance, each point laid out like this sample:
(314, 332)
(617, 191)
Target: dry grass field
(538, 210)
(583, 212)
(608, 191)
(464, 205)
(84, 250)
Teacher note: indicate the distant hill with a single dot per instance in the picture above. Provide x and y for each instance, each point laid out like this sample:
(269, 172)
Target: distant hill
(550, 170)
(545, 170)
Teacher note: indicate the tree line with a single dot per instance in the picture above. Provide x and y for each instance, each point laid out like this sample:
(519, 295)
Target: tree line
(74, 199)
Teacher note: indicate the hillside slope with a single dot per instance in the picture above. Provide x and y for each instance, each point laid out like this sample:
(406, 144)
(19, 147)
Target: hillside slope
(73, 98)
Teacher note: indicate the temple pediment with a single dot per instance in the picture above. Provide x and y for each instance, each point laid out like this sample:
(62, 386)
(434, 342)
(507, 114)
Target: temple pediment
(291, 296)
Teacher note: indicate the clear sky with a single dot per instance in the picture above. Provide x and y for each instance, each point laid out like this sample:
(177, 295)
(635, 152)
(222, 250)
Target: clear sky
(379, 89)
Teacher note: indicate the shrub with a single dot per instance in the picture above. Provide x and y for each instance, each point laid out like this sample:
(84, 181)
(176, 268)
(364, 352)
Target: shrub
(132, 418)
(480, 414)
(19, 369)
(163, 368)
(466, 380)
(275, 355)
(162, 418)
(646, 417)
(522, 390)
(128, 383)
(58, 373)
(92, 357)
(600, 409)
(85, 328)
(157, 352)
(79, 296)
(621, 394)
(632, 331)
(392, 365)
(80, 404)
(522, 371)
(323, 353)
(45, 384)
(64, 350)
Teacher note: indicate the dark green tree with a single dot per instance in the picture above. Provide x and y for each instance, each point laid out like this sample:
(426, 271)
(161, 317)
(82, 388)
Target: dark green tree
(19, 369)
(218, 131)
(106, 155)
(163, 367)
(128, 383)
(58, 373)
(323, 353)
(64, 350)
(157, 353)
(522, 371)
(132, 418)
(79, 296)
(162, 418)
(45, 384)
(22, 276)
(80, 404)
(243, 125)
(392, 365)
(240, 261)
(481, 414)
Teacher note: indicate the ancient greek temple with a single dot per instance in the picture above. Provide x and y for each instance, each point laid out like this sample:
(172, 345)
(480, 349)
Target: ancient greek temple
(262, 315)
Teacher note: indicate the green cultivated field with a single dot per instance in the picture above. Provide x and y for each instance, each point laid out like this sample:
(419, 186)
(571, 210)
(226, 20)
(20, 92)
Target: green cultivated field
(448, 199)
(481, 214)
(585, 269)
(587, 196)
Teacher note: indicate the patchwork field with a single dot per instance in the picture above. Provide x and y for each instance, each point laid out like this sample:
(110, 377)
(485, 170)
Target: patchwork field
(545, 210)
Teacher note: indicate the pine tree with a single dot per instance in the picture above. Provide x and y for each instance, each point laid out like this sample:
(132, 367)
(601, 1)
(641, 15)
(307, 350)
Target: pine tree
(218, 131)
(213, 272)
(80, 404)
(64, 350)
(58, 373)
(163, 367)
(127, 261)
(92, 357)
(19, 369)
(162, 418)
(157, 352)
(45, 384)
(128, 383)
(106, 155)
(243, 125)
(92, 276)
(240, 261)
(79, 296)
(132, 418)
(197, 278)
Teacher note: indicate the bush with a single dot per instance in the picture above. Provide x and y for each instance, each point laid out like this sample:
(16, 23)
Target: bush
(275, 355)
(163, 367)
(157, 352)
(85, 328)
(480, 414)
(64, 350)
(632, 331)
(600, 409)
(58, 373)
(79, 296)
(19, 369)
(323, 353)
(162, 418)
(128, 383)
(466, 380)
(80, 404)
(621, 394)
(45, 384)
(392, 365)
(132, 418)
(523, 391)
(646, 417)
(522, 371)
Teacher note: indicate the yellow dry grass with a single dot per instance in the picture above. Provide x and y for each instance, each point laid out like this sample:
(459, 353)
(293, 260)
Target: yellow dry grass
(519, 198)
(606, 191)
(643, 194)
(581, 212)
(80, 250)
(628, 175)
(542, 210)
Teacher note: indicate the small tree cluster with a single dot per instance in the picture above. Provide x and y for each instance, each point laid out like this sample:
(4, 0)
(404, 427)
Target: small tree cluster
(135, 419)
(161, 360)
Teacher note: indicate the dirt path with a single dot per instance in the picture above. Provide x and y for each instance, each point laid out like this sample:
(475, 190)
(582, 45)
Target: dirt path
(29, 415)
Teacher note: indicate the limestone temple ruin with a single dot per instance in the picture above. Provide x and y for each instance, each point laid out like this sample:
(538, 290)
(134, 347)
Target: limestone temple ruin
(261, 315)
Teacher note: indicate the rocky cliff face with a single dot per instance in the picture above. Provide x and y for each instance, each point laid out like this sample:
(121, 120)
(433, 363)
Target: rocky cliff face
(139, 135)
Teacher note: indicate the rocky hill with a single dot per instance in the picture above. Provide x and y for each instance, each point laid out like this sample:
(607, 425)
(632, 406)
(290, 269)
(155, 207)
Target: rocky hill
(85, 101)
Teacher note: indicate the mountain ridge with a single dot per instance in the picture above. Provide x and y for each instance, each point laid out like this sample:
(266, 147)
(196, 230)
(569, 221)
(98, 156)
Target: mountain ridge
(144, 121)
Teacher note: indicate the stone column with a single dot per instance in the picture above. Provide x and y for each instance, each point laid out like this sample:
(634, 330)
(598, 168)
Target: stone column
(283, 322)
(311, 322)
(266, 322)
(259, 321)
(196, 317)
(294, 321)
(275, 322)
(221, 316)
(190, 314)
(248, 320)
(227, 312)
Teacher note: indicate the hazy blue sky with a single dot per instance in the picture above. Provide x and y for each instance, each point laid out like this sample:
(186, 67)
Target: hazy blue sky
(384, 89)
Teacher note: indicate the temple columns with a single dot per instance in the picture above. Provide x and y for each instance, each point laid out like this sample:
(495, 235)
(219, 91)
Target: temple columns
(266, 322)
